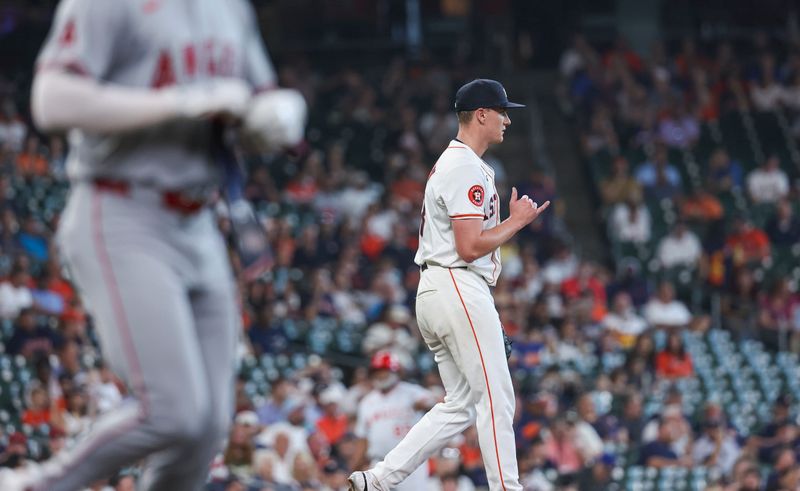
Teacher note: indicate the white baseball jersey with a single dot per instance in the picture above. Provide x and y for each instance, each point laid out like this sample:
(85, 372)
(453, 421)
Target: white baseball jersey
(154, 43)
(385, 418)
(460, 187)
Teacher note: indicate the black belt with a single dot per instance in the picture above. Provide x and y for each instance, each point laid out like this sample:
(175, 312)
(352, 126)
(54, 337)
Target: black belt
(425, 266)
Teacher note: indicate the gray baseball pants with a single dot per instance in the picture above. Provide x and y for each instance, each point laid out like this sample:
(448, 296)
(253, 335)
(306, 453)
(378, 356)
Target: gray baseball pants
(160, 288)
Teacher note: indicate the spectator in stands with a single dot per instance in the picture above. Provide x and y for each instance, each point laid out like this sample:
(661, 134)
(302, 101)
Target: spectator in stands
(439, 124)
(701, 206)
(716, 448)
(783, 475)
(780, 430)
(623, 322)
(30, 338)
(600, 136)
(560, 447)
(664, 310)
(393, 334)
(630, 221)
(334, 423)
(659, 453)
(104, 389)
(630, 280)
(620, 186)
(779, 315)
(39, 410)
(276, 407)
(447, 476)
(632, 419)
(587, 282)
(77, 418)
(745, 475)
(15, 294)
(740, 305)
(746, 244)
(33, 240)
(57, 441)
(640, 362)
(679, 128)
(32, 162)
(356, 198)
(58, 158)
(766, 94)
(649, 171)
(783, 228)
(12, 126)
(239, 453)
(674, 362)
(769, 183)
(680, 248)
(724, 174)
(15, 454)
(562, 265)
(587, 440)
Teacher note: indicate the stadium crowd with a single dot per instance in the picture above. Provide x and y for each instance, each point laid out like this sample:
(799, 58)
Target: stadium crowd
(601, 360)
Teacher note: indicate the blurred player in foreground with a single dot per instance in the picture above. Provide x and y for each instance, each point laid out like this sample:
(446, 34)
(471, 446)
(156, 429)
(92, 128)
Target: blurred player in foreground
(459, 241)
(387, 413)
(141, 85)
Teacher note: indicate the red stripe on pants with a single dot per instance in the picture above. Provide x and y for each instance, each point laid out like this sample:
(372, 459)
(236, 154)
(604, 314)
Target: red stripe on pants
(485, 376)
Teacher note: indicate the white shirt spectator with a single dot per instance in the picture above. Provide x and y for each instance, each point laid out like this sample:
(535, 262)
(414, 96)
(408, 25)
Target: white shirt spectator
(628, 324)
(767, 184)
(766, 98)
(704, 447)
(630, 227)
(587, 441)
(13, 299)
(105, 396)
(355, 200)
(670, 314)
(679, 249)
(560, 268)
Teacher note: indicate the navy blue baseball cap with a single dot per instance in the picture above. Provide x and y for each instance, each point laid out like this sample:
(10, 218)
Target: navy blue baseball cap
(482, 92)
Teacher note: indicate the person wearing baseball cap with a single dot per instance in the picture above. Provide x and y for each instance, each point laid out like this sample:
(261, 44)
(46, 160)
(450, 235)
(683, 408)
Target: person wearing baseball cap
(460, 236)
(483, 93)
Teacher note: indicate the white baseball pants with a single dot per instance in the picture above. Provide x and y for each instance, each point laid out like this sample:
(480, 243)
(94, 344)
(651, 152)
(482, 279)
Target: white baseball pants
(459, 322)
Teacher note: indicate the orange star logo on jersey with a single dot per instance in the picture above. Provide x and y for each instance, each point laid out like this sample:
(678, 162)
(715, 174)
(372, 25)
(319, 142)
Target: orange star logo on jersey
(475, 195)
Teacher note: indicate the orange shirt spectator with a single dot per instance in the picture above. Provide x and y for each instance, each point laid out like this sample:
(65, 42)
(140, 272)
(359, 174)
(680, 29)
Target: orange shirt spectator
(702, 206)
(674, 361)
(38, 412)
(747, 243)
(334, 423)
(31, 164)
(586, 282)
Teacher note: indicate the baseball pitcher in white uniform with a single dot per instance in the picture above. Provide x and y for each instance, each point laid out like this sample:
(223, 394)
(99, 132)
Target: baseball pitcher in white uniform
(459, 240)
(140, 85)
(388, 412)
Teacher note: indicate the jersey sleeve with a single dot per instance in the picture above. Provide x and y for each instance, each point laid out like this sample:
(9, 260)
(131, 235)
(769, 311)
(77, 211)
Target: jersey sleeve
(84, 37)
(258, 68)
(462, 192)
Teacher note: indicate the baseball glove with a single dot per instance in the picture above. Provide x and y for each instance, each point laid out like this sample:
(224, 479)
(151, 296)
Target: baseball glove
(509, 344)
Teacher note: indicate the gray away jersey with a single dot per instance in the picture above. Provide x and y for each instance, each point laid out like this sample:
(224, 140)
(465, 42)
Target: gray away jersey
(154, 43)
